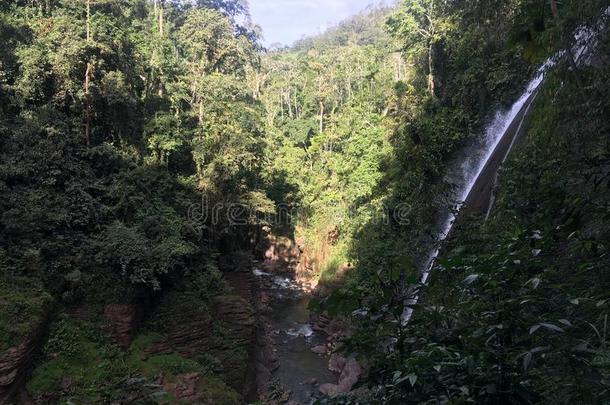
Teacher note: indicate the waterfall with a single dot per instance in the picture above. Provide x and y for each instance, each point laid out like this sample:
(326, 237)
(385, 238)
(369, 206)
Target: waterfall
(586, 39)
(494, 133)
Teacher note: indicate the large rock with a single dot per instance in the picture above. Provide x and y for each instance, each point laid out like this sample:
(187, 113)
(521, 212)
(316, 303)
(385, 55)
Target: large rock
(348, 378)
(336, 363)
(319, 349)
(350, 374)
(330, 390)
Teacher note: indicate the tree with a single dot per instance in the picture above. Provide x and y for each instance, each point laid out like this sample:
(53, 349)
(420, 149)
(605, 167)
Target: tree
(211, 46)
(568, 50)
(417, 24)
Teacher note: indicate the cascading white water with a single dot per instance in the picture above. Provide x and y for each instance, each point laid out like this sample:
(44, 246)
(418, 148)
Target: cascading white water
(494, 133)
(586, 40)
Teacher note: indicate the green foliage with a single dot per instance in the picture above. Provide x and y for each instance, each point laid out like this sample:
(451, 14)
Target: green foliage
(80, 359)
(215, 391)
(516, 310)
(211, 45)
(164, 100)
(115, 116)
(24, 305)
(325, 103)
(114, 121)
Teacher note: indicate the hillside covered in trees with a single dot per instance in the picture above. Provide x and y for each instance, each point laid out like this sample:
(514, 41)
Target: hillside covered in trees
(161, 173)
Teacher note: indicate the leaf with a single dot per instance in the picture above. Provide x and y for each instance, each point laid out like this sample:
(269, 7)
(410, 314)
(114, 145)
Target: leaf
(601, 303)
(575, 301)
(565, 322)
(536, 252)
(437, 368)
(535, 282)
(412, 379)
(552, 327)
(471, 279)
(534, 328)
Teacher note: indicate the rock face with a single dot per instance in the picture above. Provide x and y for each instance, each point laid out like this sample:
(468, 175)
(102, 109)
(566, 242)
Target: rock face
(15, 364)
(282, 255)
(193, 332)
(225, 331)
(247, 322)
(121, 323)
(12, 367)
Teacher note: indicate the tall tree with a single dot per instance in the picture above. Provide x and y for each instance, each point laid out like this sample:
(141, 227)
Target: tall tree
(417, 23)
(88, 73)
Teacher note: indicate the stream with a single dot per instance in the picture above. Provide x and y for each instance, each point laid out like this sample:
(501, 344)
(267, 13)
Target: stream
(300, 370)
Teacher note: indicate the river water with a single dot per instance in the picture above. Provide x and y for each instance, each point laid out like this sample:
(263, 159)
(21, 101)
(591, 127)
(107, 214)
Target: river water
(300, 370)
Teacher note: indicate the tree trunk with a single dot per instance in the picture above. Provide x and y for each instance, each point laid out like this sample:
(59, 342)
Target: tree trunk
(200, 112)
(321, 116)
(88, 80)
(554, 9)
(88, 20)
(431, 69)
(161, 20)
(87, 105)
(290, 103)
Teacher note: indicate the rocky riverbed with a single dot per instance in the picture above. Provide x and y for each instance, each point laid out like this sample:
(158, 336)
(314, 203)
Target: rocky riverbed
(301, 346)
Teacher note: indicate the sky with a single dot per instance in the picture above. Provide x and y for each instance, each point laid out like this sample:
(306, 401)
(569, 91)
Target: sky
(285, 21)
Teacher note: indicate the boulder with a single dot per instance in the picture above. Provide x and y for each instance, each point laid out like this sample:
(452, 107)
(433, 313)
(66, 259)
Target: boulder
(348, 378)
(350, 375)
(319, 349)
(330, 390)
(336, 363)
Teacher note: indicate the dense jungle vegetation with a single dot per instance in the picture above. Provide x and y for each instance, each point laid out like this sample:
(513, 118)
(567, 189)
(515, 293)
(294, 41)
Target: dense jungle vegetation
(123, 121)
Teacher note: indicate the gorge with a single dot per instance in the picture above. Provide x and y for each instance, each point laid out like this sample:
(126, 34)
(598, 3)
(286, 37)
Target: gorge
(410, 207)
